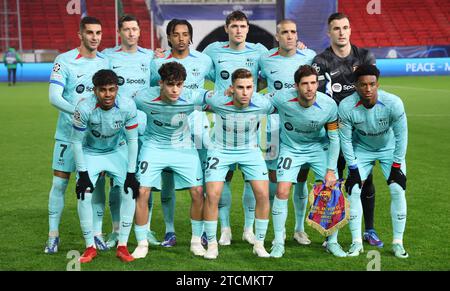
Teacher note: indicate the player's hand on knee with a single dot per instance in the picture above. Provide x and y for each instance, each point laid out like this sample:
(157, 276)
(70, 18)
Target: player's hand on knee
(352, 179)
(131, 182)
(397, 176)
(83, 183)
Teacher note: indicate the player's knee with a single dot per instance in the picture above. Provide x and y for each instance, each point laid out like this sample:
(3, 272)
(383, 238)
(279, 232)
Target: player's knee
(144, 195)
(197, 194)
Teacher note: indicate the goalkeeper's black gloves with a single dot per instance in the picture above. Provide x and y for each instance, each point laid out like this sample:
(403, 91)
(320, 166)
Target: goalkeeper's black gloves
(397, 176)
(353, 178)
(131, 182)
(83, 183)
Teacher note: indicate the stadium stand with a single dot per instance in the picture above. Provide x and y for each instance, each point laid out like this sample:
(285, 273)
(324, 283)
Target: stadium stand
(401, 23)
(46, 24)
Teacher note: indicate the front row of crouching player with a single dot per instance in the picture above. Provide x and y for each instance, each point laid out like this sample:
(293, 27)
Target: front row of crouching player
(369, 125)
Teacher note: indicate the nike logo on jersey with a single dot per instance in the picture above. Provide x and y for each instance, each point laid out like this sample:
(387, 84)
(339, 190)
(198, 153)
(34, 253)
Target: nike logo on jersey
(79, 76)
(273, 72)
(219, 61)
(116, 67)
(153, 113)
(199, 179)
(287, 115)
(264, 173)
(334, 73)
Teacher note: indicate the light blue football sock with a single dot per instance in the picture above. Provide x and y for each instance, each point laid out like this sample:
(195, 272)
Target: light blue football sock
(168, 200)
(300, 199)
(279, 214)
(249, 204)
(261, 228)
(197, 227)
(85, 214)
(140, 231)
(355, 213)
(98, 205)
(56, 204)
(114, 207)
(333, 238)
(398, 210)
(211, 231)
(225, 205)
(127, 208)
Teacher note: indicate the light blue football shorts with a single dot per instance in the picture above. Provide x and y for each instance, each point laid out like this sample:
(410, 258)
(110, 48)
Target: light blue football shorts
(366, 161)
(184, 162)
(291, 162)
(63, 158)
(250, 162)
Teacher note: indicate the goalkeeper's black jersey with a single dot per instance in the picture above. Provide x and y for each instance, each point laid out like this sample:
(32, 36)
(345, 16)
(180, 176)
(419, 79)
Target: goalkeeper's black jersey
(336, 74)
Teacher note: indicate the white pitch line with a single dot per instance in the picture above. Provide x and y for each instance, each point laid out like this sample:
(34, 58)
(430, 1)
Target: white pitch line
(427, 115)
(414, 88)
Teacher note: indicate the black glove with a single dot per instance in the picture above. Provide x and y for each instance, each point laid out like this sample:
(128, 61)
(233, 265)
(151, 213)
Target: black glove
(397, 176)
(353, 178)
(131, 182)
(83, 183)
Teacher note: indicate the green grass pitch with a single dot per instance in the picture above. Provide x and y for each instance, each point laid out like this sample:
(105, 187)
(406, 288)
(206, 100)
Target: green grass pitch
(28, 123)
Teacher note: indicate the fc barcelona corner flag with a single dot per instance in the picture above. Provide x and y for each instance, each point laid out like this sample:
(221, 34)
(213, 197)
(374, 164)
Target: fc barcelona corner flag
(329, 209)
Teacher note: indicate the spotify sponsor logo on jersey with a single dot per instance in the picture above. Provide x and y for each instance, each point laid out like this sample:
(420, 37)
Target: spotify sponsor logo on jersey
(130, 81)
(81, 88)
(337, 87)
(224, 75)
(278, 85)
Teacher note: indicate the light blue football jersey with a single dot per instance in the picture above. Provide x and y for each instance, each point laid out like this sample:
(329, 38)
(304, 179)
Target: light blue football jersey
(279, 71)
(103, 128)
(168, 123)
(74, 73)
(236, 128)
(133, 69)
(227, 60)
(379, 128)
(198, 66)
(303, 129)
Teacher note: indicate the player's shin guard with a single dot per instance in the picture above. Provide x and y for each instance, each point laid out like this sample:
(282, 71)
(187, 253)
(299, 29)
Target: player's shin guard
(56, 204)
(300, 199)
(98, 205)
(355, 214)
(150, 211)
(272, 192)
(114, 206)
(249, 204)
(261, 229)
(127, 208)
(197, 227)
(211, 231)
(398, 210)
(225, 205)
(168, 200)
(85, 213)
(279, 215)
